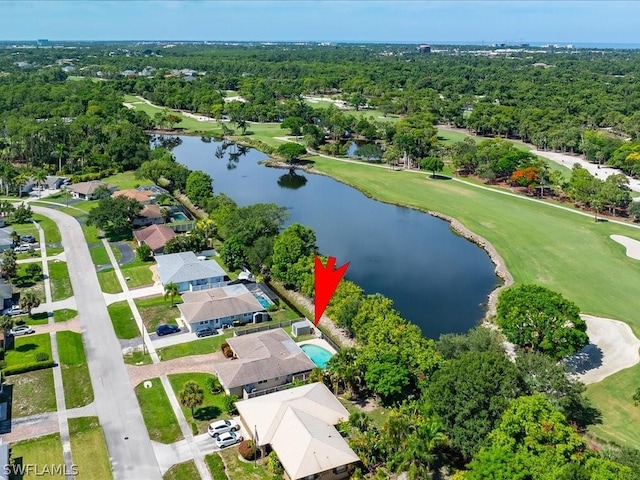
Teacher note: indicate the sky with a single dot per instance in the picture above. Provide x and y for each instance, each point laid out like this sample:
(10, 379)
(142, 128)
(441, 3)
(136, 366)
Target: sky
(411, 21)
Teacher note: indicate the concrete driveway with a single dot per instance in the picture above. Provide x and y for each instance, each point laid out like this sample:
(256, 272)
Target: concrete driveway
(130, 450)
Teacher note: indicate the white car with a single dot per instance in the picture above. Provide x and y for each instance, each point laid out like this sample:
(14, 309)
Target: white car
(22, 248)
(228, 439)
(223, 426)
(14, 310)
(21, 330)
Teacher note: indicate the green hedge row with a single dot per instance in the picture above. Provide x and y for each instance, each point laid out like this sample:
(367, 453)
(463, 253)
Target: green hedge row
(28, 367)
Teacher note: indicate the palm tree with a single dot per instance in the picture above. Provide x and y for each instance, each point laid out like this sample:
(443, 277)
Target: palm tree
(6, 208)
(20, 181)
(6, 323)
(242, 124)
(29, 301)
(191, 396)
(171, 290)
(39, 176)
(7, 175)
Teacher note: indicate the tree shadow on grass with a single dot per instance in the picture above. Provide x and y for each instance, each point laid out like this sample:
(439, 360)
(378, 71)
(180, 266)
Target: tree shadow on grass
(27, 347)
(207, 413)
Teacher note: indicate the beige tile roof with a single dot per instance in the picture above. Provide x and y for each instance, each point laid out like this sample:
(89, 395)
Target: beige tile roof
(298, 423)
(262, 356)
(140, 196)
(217, 303)
(88, 188)
(156, 236)
(150, 211)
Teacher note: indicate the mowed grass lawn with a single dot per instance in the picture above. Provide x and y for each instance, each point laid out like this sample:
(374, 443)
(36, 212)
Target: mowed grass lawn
(157, 413)
(100, 257)
(127, 180)
(89, 449)
(196, 347)
(212, 407)
(137, 274)
(31, 393)
(45, 452)
(540, 244)
(26, 348)
(240, 469)
(182, 471)
(78, 391)
(49, 227)
(157, 311)
(215, 465)
(123, 321)
(60, 282)
(109, 281)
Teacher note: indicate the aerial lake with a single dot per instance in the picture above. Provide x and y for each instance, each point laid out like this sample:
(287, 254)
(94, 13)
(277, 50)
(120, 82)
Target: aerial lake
(436, 279)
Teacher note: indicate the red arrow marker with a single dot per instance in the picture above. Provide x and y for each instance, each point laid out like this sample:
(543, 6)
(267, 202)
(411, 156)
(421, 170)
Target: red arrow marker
(326, 282)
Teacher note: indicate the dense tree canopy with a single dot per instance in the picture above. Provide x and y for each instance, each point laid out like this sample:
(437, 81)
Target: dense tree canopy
(538, 318)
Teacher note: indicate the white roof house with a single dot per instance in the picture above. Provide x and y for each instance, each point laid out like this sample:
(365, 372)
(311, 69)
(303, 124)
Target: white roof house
(299, 424)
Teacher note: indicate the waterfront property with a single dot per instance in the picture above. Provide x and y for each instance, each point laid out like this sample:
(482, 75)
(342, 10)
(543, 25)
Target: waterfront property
(220, 306)
(190, 274)
(144, 197)
(149, 215)
(299, 425)
(156, 236)
(263, 360)
(319, 351)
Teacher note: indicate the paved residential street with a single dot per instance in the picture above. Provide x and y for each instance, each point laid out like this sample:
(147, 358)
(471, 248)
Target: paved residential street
(130, 450)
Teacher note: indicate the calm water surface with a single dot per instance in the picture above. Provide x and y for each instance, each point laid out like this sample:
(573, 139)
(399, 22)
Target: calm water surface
(435, 278)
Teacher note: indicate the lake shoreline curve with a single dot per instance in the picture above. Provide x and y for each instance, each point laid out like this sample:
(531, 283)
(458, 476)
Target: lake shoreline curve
(500, 267)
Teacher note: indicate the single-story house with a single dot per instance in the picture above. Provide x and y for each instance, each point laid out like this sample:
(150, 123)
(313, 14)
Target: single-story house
(149, 215)
(53, 182)
(219, 306)
(190, 274)
(263, 360)
(87, 190)
(299, 425)
(156, 236)
(6, 241)
(145, 197)
(27, 186)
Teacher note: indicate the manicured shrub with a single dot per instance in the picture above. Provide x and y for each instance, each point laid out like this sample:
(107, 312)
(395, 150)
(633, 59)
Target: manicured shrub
(28, 367)
(230, 404)
(247, 449)
(42, 357)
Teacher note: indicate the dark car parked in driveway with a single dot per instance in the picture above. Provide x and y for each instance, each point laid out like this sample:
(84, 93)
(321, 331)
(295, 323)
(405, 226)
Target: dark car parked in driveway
(205, 332)
(167, 330)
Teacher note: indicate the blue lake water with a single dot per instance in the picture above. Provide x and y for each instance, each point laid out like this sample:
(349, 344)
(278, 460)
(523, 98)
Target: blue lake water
(436, 279)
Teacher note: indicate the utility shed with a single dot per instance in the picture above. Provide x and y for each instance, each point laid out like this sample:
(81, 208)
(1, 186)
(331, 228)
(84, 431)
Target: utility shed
(301, 328)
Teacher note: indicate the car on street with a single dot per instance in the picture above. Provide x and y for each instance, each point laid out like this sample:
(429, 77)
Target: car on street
(21, 330)
(167, 329)
(22, 248)
(205, 332)
(228, 439)
(28, 239)
(14, 310)
(222, 426)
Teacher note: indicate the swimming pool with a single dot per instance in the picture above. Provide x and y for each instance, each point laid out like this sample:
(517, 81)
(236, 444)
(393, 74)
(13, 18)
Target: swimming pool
(318, 355)
(263, 301)
(178, 217)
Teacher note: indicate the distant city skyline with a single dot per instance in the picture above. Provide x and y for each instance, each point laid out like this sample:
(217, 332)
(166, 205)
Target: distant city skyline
(472, 22)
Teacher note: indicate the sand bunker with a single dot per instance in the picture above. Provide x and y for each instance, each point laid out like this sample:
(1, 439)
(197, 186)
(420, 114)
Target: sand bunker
(632, 246)
(613, 347)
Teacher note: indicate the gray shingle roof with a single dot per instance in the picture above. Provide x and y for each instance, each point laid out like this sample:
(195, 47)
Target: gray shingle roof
(185, 267)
